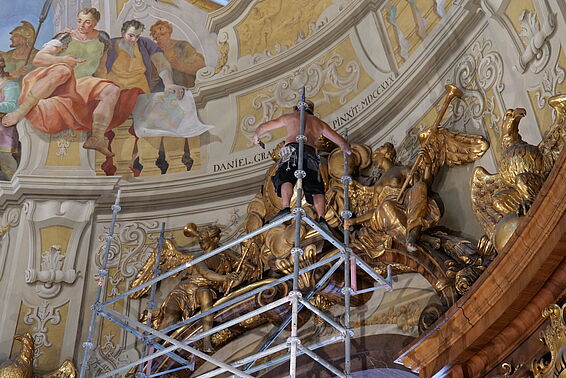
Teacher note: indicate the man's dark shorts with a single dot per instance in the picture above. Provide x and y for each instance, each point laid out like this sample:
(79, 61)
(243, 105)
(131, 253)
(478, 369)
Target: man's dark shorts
(312, 183)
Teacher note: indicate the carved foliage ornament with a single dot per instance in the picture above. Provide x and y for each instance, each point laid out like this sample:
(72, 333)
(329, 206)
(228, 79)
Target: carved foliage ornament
(40, 316)
(535, 35)
(51, 273)
(547, 86)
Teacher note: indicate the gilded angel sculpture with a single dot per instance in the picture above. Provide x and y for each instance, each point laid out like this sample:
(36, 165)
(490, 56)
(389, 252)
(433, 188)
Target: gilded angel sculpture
(401, 207)
(389, 219)
(498, 199)
(199, 285)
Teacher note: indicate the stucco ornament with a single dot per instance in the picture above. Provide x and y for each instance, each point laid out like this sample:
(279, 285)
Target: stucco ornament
(318, 78)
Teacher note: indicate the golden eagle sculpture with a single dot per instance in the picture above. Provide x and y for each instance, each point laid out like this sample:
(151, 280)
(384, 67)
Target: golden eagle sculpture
(499, 200)
(21, 366)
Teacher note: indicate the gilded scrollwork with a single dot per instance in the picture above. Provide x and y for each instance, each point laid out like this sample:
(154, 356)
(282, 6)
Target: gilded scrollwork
(554, 337)
(405, 317)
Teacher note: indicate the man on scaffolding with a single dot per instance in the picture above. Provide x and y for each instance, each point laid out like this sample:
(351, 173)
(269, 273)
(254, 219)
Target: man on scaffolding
(284, 179)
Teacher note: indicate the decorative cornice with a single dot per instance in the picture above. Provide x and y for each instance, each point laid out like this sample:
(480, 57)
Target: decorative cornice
(225, 15)
(206, 5)
(181, 190)
(46, 187)
(219, 85)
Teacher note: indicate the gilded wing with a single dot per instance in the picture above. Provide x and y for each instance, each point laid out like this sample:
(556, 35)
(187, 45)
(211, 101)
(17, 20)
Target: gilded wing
(451, 148)
(484, 186)
(554, 140)
(170, 258)
(66, 370)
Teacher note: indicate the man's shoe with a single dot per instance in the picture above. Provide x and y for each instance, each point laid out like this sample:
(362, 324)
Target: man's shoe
(280, 214)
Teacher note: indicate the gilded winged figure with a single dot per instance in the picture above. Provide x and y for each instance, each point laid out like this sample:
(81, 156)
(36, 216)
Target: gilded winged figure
(397, 216)
(200, 283)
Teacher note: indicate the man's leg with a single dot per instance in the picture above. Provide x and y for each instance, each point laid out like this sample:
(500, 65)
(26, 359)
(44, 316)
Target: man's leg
(101, 118)
(319, 204)
(43, 88)
(286, 194)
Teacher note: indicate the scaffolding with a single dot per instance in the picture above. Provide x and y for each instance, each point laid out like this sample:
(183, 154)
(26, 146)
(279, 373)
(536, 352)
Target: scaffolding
(153, 349)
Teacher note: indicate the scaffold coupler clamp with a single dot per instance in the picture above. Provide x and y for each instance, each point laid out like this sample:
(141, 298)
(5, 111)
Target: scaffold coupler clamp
(297, 250)
(300, 174)
(346, 214)
(302, 105)
(295, 294)
(296, 210)
(347, 331)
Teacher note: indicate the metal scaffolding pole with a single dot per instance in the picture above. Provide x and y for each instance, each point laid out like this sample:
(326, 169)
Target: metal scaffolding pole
(151, 302)
(295, 298)
(102, 274)
(347, 290)
(297, 251)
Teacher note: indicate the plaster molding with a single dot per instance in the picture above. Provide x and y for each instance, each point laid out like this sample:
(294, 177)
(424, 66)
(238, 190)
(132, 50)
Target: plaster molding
(536, 29)
(248, 73)
(416, 78)
(226, 15)
(39, 316)
(51, 274)
(10, 218)
(48, 271)
(35, 148)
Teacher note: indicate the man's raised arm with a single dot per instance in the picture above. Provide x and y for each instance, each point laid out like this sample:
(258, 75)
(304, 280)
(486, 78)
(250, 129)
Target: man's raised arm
(268, 126)
(329, 133)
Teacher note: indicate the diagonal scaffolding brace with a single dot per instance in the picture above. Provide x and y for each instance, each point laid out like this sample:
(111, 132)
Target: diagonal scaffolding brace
(152, 349)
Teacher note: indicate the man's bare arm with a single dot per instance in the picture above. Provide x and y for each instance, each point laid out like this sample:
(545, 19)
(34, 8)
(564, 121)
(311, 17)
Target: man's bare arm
(268, 126)
(166, 74)
(47, 56)
(336, 138)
